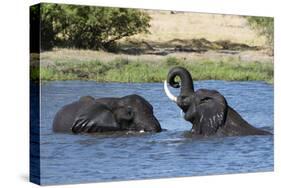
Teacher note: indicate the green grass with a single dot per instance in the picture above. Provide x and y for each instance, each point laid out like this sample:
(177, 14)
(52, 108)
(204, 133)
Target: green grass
(125, 70)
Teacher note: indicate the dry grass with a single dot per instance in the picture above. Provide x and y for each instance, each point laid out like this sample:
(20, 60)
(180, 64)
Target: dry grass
(166, 26)
(74, 55)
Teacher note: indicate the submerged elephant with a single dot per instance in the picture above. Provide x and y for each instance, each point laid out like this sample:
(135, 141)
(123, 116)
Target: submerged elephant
(207, 110)
(89, 115)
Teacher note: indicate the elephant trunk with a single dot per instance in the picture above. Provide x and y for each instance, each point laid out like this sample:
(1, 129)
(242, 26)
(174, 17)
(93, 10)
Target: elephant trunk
(186, 82)
(147, 123)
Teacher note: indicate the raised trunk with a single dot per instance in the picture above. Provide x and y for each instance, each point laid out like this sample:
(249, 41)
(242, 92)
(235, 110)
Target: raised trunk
(186, 83)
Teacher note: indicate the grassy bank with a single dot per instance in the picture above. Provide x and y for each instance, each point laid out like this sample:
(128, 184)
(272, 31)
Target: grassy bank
(151, 68)
(210, 46)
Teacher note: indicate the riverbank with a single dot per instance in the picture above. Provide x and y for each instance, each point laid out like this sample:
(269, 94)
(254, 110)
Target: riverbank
(66, 64)
(210, 46)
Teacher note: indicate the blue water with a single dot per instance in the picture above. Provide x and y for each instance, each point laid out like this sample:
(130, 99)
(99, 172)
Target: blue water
(67, 158)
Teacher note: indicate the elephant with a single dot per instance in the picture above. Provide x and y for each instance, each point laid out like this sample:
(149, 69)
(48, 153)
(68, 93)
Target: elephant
(207, 110)
(89, 115)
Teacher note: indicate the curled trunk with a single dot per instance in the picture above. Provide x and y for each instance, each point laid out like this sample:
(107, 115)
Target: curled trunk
(186, 82)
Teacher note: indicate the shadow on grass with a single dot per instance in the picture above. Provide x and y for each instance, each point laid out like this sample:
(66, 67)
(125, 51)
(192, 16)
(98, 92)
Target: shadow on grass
(134, 47)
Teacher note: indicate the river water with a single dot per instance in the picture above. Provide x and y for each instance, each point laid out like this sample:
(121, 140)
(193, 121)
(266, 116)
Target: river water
(67, 158)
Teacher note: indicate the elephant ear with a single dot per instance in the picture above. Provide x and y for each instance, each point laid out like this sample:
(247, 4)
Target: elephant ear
(211, 111)
(96, 118)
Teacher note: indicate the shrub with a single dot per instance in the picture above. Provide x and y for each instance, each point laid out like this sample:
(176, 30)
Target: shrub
(88, 27)
(264, 26)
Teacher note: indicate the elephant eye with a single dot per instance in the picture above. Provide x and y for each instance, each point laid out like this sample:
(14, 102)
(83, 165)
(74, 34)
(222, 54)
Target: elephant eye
(130, 111)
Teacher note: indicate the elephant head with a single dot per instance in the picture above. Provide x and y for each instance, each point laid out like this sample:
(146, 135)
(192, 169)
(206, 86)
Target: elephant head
(133, 113)
(143, 115)
(205, 109)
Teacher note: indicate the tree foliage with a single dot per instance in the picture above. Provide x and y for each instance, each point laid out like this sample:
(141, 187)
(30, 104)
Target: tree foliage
(89, 27)
(264, 26)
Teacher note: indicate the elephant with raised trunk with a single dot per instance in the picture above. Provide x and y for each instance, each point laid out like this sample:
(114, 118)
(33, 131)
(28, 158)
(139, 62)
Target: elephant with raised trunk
(89, 115)
(207, 110)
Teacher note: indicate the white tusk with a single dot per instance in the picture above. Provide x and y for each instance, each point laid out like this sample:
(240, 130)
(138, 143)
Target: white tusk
(168, 93)
(182, 114)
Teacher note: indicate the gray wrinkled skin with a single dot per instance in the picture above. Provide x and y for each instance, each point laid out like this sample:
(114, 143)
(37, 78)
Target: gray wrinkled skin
(208, 110)
(89, 115)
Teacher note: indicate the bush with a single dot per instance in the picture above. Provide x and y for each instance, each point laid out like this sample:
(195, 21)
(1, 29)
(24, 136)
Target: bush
(264, 26)
(89, 27)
